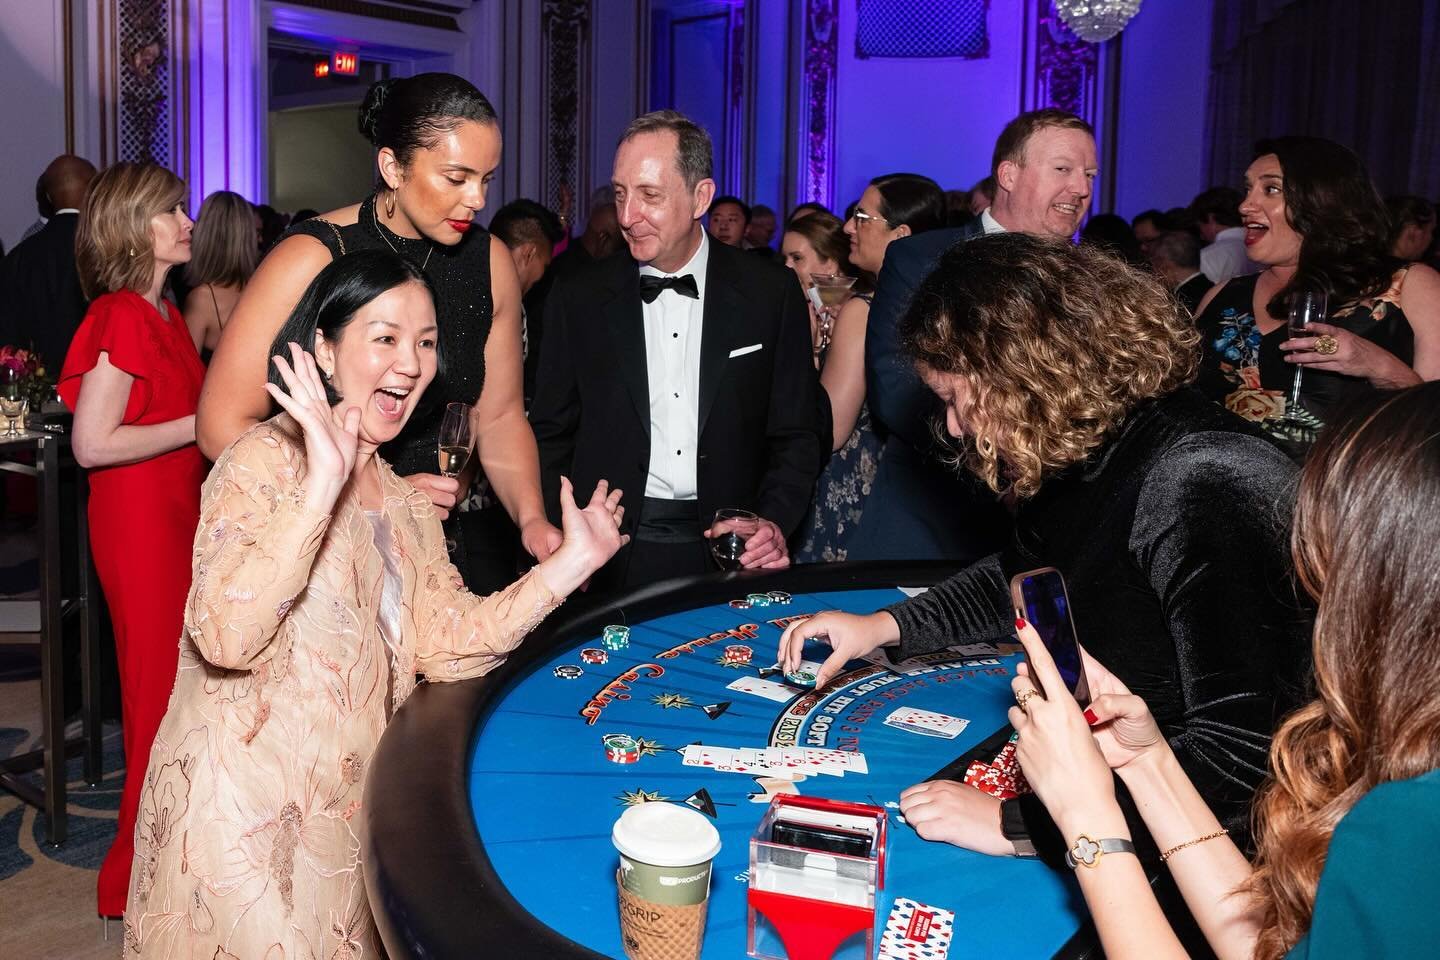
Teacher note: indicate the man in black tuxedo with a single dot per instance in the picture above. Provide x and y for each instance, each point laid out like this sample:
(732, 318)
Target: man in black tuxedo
(40, 300)
(1044, 163)
(679, 371)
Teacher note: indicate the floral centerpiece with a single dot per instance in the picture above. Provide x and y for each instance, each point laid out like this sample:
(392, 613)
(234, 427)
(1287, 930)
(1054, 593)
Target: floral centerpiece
(27, 369)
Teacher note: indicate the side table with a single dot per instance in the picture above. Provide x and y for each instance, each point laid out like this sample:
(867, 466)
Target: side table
(44, 621)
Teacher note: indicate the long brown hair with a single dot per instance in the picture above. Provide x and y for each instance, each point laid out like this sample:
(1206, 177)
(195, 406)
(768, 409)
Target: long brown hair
(114, 248)
(223, 248)
(826, 235)
(1367, 519)
(1057, 343)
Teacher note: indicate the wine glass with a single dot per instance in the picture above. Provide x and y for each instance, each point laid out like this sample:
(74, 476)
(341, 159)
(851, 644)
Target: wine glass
(454, 448)
(12, 402)
(731, 528)
(1306, 307)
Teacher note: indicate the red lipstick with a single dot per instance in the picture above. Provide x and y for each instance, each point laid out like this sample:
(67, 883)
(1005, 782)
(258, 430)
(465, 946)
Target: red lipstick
(460, 226)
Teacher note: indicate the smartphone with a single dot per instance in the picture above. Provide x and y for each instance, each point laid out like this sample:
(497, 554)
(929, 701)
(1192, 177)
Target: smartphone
(1040, 595)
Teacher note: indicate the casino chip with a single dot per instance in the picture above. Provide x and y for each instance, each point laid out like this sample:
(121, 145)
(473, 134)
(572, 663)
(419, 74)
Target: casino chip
(594, 655)
(801, 678)
(738, 653)
(779, 596)
(740, 604)
(568, 671)
(615, 637)
(760, 599)
(620, 748)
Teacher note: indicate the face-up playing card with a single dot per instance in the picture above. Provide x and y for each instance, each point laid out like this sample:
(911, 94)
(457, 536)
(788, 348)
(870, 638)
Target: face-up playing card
(926, 722)
(769, 689)
(915, 930)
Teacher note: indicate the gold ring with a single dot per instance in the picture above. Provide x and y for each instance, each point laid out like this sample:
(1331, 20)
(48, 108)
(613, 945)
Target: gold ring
(1326, 345)
(1025, 697)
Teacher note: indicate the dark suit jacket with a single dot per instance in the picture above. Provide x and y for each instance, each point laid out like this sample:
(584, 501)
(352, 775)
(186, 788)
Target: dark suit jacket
(40, 299)
(1192, 291)
(918, 507)
(761, 421)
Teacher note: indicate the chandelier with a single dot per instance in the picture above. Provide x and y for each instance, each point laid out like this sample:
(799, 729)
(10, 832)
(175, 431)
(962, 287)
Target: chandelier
(1096, 20)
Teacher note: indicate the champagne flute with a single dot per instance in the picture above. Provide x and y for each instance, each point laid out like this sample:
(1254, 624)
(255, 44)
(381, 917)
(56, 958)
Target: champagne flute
(454, 449)
(731, 528)
(1306, 307)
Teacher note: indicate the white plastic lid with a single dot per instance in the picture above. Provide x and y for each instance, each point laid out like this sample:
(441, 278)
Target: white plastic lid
(665, 835)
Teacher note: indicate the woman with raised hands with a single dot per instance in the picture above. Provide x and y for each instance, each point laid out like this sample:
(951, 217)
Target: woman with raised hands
(1348, 827)
(321, 589)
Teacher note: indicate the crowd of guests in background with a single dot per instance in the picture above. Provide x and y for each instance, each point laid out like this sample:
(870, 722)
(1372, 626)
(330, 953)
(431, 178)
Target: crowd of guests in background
(826, 372)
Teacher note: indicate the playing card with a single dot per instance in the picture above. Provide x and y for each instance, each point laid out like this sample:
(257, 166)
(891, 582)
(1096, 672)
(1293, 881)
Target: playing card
(914, 930)
(926, 722)
(769, 689)
(974, 649)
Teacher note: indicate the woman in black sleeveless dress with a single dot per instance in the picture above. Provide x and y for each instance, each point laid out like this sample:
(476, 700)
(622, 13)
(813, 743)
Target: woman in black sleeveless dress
(1314, 219)
(438, 144)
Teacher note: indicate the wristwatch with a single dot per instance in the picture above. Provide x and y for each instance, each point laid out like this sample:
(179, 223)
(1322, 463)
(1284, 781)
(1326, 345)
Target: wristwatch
(1012, 825)
(1086, 852)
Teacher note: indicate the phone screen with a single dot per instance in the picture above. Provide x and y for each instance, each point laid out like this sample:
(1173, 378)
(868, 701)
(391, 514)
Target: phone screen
(1048, 610)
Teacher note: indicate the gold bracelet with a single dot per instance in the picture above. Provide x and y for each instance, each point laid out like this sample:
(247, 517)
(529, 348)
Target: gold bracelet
(1190, 843)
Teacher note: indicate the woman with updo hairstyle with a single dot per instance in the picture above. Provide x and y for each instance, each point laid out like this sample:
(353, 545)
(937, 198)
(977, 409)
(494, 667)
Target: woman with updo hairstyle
(1314, 221)
(223, 258)
(438, 144)
(132, 378)
(1064, 375)
(817, 244)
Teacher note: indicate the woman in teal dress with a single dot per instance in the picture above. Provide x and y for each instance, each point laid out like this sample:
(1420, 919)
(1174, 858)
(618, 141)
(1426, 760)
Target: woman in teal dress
(1348, 829)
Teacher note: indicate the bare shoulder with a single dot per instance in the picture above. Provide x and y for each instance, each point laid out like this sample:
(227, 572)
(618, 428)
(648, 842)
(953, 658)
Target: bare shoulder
(1421, 291)
(342, 216)
(1210, 294)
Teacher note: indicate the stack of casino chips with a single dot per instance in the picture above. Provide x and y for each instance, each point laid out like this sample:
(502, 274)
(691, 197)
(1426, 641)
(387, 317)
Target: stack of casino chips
(620, 748)
(615, 637)
(737, 653)
(594, 656)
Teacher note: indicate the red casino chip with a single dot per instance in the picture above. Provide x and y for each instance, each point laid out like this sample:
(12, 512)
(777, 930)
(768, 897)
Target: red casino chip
(738, 653)
(620, 748)
(594, 655)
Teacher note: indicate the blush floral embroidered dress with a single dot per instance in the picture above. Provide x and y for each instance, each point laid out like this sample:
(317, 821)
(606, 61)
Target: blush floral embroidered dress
(303, 633)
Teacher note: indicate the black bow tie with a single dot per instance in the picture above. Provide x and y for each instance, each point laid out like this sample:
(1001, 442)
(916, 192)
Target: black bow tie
(650, 286)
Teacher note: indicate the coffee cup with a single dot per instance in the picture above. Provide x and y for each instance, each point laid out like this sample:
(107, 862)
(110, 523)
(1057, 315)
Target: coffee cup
(666, 852)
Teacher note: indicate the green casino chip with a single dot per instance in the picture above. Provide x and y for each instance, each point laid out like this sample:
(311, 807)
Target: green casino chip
(760, 599)
(801, 678)
(615, 637)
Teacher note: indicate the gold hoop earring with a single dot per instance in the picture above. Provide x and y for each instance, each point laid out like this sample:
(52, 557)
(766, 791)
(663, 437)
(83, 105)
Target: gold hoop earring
(390, 205)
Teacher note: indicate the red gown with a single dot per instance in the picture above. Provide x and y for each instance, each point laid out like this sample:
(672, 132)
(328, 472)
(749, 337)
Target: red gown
(142, 528)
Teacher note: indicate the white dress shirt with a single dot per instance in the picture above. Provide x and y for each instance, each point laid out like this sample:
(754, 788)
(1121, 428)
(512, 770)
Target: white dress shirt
(1226, 257)
(673, 327)
(989, 224)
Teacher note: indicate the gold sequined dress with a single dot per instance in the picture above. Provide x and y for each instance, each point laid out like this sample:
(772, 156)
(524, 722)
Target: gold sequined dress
(246, 844)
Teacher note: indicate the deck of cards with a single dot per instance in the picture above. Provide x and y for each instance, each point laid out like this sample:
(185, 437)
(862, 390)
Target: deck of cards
(781, 763)
(927, 723)
(916, 931)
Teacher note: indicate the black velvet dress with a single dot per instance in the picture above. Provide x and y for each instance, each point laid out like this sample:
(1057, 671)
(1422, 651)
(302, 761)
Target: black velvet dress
(1173, 539)
(464, 311)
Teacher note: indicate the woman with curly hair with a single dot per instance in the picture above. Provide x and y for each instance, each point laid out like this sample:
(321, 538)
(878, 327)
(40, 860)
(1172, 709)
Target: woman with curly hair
(1348, 861)
(1064, 376)
(1312, 217)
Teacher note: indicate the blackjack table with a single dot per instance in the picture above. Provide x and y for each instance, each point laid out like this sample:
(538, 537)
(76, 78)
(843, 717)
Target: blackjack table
(489, 803)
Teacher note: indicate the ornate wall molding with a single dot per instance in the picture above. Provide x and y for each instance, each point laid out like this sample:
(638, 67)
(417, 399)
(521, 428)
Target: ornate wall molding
(1067, 69)
(143, 59)
(820, 38)
(565, 25)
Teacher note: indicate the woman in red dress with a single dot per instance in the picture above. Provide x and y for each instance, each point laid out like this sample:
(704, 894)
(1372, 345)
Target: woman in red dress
(132, 377)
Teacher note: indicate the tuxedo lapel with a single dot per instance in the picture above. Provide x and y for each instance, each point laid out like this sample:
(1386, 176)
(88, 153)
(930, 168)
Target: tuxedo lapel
(626, 322)
(723, 309)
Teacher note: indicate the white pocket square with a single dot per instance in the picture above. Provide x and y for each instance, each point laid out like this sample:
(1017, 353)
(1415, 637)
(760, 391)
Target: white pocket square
(741, 351)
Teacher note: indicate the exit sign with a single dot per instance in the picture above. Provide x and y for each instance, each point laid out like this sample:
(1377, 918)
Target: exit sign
(322, 69)
(346, 64)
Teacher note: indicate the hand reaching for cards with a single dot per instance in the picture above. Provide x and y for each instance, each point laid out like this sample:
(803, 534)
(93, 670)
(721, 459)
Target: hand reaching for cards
(592, 536)
(850, 636)
(331, 436)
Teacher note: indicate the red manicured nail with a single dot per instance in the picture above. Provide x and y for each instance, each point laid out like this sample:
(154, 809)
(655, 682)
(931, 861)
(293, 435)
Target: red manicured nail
(1090, 717)
(1020, 623)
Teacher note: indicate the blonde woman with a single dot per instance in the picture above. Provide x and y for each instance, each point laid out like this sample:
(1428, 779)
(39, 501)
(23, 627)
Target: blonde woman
(1064, 377)
(224, 255)
(132, 377)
